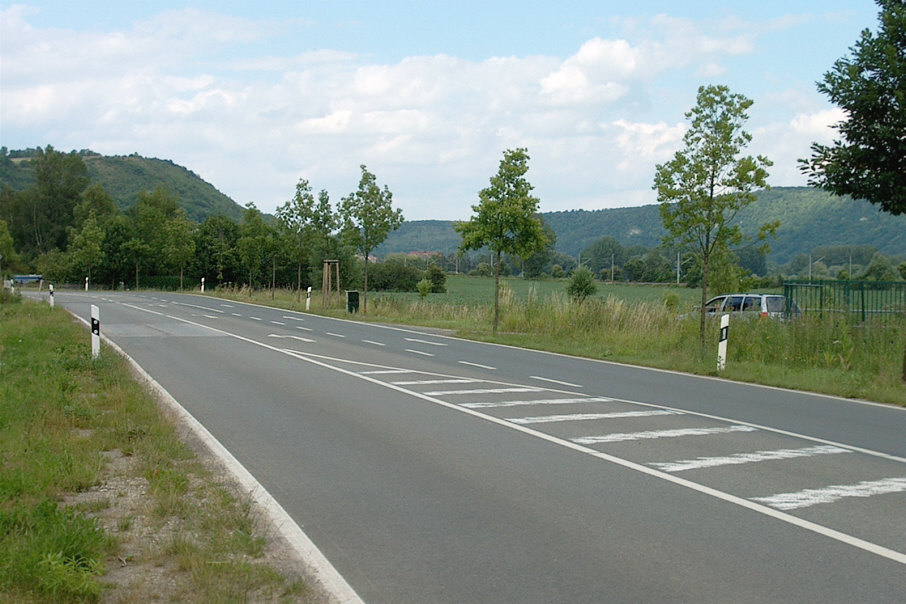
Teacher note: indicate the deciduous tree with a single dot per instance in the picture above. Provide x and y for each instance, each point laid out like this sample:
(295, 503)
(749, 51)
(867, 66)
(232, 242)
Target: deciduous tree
(505, 218)
(708, 182)
(868, 161)
(368, 217)
(296, 219)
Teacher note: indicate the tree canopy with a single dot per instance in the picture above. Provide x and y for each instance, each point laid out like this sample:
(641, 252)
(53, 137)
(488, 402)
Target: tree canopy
(868, 161)
(506, 218)
(708, 182)
(368, 217)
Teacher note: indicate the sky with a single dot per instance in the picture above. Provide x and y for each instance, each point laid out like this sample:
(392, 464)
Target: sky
(254, 96)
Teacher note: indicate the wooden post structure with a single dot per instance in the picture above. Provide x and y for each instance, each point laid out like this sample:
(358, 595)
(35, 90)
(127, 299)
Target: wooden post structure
(329, 280)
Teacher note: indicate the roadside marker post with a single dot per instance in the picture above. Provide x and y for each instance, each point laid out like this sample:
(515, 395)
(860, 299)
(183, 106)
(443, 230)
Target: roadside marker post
(722, 344)
(202, 285)
(50, 287)
(308, 298)
(95, 332)
(86, 284)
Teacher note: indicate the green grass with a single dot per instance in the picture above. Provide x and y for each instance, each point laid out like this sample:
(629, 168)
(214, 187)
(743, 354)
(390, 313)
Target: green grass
(655, 326)
(61, 415)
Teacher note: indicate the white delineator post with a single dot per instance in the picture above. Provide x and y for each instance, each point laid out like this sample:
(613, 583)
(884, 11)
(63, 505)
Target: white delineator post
(86, 284)
(202, 285)
(50, 287)
(308, 298)
(722, 344)
(95, 332)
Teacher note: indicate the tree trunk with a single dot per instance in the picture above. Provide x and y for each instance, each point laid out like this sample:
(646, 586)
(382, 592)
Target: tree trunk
(904, 362)
(496, 292)
(704, 299)
(365, 288)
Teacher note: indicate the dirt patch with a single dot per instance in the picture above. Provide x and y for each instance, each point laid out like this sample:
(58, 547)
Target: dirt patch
(143, 569)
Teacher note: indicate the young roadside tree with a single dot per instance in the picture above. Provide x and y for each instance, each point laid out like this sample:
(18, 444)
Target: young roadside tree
(506, 217)
(368, 217)
(869, 161)
(705, 185)
(296, 218)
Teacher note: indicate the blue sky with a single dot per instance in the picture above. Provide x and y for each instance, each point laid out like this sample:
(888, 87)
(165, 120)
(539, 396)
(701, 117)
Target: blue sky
(255, 96)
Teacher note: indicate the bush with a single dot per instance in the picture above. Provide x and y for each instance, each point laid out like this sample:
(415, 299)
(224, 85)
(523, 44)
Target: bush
(581, 284)
(482, 270)
(437, 278)
(393, 274)
(424, 288)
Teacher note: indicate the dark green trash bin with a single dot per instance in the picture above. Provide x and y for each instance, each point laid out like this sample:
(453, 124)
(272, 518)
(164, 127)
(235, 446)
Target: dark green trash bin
(352, 300)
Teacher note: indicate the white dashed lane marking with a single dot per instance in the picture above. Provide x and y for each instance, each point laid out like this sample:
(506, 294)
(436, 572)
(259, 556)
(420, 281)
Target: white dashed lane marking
(581, 417)
(544, 379)
(372, 342)
(482, 391)
(809, 497)
(417, 341)
(529, 402)
(477, 365)
(427, 382)
(653, 434)
(743, 458)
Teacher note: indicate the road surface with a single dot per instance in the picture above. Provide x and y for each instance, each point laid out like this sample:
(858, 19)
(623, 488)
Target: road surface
(433, 469)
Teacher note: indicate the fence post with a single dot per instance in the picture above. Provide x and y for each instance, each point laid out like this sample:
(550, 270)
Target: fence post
(722, 344)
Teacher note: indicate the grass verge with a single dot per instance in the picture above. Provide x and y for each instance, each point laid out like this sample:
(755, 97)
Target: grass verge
(99, 498)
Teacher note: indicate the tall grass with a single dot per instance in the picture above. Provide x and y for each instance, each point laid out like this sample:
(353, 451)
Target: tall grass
(653, 326)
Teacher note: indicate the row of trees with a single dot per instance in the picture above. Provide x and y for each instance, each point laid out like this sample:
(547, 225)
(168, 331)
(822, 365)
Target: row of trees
(68, 229)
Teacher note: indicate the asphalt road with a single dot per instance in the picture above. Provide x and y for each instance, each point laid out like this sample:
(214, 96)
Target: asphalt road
(432, 469)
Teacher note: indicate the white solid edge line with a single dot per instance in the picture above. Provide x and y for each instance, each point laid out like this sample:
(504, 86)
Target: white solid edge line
(318, 565)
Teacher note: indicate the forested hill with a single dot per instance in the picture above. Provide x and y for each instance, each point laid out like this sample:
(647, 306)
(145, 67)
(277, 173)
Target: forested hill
(809, 218)
(124, 177)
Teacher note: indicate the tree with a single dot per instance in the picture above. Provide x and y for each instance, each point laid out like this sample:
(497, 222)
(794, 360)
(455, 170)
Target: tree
(581, 284)
(869, 160)
(86, 249)
(296, 219)
(252, 243)
(705, 185)
(179, 243)
(215, 250)
(368, 217)
(8, 255)
(505, 219)
(535, 264)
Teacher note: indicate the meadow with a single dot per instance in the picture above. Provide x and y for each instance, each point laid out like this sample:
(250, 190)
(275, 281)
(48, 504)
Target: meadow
(650, 325)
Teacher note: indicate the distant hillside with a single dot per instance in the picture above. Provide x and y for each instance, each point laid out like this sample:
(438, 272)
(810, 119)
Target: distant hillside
(124, 177)
(809, 218)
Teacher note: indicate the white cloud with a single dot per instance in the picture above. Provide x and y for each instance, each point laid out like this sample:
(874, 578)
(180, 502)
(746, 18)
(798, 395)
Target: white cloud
(431, 127)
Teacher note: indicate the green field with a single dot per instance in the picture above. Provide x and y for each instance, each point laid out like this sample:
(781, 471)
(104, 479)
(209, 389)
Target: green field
(476, 291)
